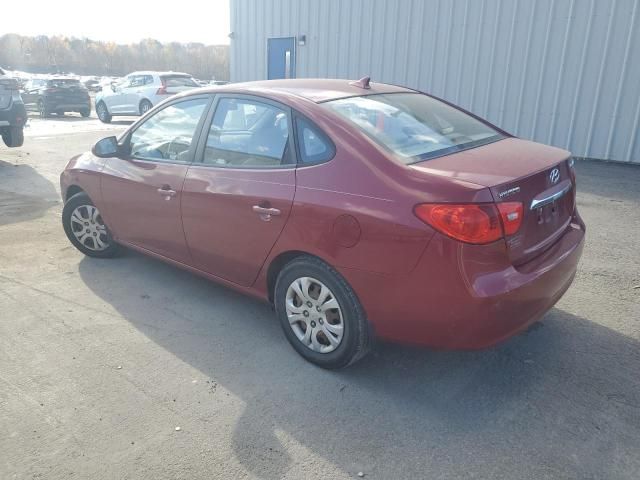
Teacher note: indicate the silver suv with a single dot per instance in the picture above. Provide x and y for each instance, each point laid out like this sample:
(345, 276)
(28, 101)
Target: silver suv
(139, 92)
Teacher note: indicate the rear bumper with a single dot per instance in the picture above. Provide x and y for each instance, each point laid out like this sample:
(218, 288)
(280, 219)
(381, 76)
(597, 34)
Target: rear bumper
(68, 105)
(466, 296)
(13, 116)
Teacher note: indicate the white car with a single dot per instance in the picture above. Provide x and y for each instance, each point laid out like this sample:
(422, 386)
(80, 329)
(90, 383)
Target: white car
(139, 92)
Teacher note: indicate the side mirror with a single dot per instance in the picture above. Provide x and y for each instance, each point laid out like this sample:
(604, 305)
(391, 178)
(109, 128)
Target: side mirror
(114, 87)
(105, 148)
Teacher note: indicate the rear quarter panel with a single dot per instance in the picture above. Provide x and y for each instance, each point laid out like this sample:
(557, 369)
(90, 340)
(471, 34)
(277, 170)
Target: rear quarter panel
(356, 210)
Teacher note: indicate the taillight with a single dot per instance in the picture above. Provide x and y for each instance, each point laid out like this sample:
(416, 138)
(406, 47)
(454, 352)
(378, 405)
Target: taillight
(511, 215)
(472, 223)
(162, 91)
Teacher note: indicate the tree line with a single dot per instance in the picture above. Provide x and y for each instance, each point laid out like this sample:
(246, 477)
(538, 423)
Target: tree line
(82, 56)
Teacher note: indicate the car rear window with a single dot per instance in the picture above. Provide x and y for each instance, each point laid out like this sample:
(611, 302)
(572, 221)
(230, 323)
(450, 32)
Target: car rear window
(178, 81)
(414, 126)
(63, 82)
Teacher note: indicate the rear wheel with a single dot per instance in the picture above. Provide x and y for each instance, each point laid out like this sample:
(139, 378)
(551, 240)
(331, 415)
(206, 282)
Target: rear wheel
(103, 113)
(85, 228)
(145, 106)
(13, 136)
(320, 314)
(86, 112)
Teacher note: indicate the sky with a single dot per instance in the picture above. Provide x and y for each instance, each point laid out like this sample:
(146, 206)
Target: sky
(121, 21)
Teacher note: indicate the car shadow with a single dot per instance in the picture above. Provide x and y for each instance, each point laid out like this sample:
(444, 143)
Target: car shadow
(37, 194)
(123, 122)
(540, 405)
(67, 117)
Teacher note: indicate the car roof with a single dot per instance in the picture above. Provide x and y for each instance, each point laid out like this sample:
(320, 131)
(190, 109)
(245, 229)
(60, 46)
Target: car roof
(314, 89)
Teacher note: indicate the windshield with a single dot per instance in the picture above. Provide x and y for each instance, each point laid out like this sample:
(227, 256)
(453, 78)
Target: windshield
(178, 81)
(63, 82)
(414, 126)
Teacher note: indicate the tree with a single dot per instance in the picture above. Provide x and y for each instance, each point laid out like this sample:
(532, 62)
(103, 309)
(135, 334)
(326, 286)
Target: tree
(83, 56)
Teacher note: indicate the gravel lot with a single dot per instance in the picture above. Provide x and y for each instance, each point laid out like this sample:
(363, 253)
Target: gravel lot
(102, 360)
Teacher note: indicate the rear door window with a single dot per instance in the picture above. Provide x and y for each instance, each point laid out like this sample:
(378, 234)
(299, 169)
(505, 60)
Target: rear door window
(246, 133)
(313, 145)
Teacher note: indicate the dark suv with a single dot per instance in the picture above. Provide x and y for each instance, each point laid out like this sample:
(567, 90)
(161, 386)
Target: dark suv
(57, 95)
(12, 113)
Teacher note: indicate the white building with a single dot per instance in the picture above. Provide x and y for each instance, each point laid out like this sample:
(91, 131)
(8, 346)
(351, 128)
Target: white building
(563, 72)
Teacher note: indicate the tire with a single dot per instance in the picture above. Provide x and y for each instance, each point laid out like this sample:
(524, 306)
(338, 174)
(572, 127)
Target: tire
(42, 110)
(13, 137)
(356, 336)
(86, 112)
(145, 106)
(103, 113)
(76, 216)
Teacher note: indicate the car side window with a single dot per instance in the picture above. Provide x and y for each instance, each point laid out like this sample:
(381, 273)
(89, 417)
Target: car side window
(168, 134)
(136, 81)
(148, 80)
(246, 133)
(314, 146)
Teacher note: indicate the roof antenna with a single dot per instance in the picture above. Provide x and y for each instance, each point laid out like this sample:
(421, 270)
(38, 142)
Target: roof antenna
(362, 83)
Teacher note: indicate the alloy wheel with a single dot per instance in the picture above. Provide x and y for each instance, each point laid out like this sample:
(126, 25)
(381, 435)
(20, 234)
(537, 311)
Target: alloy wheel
(89, 229)
(102, 111)
(314, 315)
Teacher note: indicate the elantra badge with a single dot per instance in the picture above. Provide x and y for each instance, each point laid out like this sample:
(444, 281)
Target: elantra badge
(554, 175)
(511, 191)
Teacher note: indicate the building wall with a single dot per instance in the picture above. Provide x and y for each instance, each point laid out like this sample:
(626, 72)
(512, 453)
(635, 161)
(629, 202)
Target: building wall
(563, 72)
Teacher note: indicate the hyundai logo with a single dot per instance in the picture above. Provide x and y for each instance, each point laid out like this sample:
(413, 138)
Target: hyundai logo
(554, 175)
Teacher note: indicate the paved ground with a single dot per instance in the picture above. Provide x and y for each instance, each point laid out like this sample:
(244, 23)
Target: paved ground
(100, 361)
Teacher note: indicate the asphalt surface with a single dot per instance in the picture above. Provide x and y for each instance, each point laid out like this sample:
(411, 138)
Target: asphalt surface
(102, 360)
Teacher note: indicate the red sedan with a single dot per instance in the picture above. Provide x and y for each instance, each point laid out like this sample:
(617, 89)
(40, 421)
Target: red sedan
(358, 209)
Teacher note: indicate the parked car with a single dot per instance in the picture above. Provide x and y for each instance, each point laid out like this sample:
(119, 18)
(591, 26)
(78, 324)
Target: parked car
(139, 92)
(13, 115)
(356, 208)
(92, 84)
(57, 95)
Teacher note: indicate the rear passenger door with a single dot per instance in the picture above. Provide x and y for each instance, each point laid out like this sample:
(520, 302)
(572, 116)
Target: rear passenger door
(238, 193)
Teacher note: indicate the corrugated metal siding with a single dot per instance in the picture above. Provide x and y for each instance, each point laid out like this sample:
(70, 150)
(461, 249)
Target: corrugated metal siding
(563, 72)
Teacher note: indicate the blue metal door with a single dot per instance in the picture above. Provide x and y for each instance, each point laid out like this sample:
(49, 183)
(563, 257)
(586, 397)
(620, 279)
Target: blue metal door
(281, 58)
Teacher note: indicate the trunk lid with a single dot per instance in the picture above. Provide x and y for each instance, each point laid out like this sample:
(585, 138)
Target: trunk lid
(516, 170)
(66, 90)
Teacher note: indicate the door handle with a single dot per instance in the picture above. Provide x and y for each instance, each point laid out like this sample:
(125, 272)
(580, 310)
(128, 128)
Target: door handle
(265, 212)
(166, 191)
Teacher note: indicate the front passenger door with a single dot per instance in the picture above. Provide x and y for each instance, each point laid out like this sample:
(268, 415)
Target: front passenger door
(142, 193)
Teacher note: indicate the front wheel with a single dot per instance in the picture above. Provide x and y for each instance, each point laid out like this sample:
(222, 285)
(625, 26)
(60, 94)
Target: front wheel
(13, 136)
(320, 314)
(103, 113)
(85, 228)
(86, 112)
